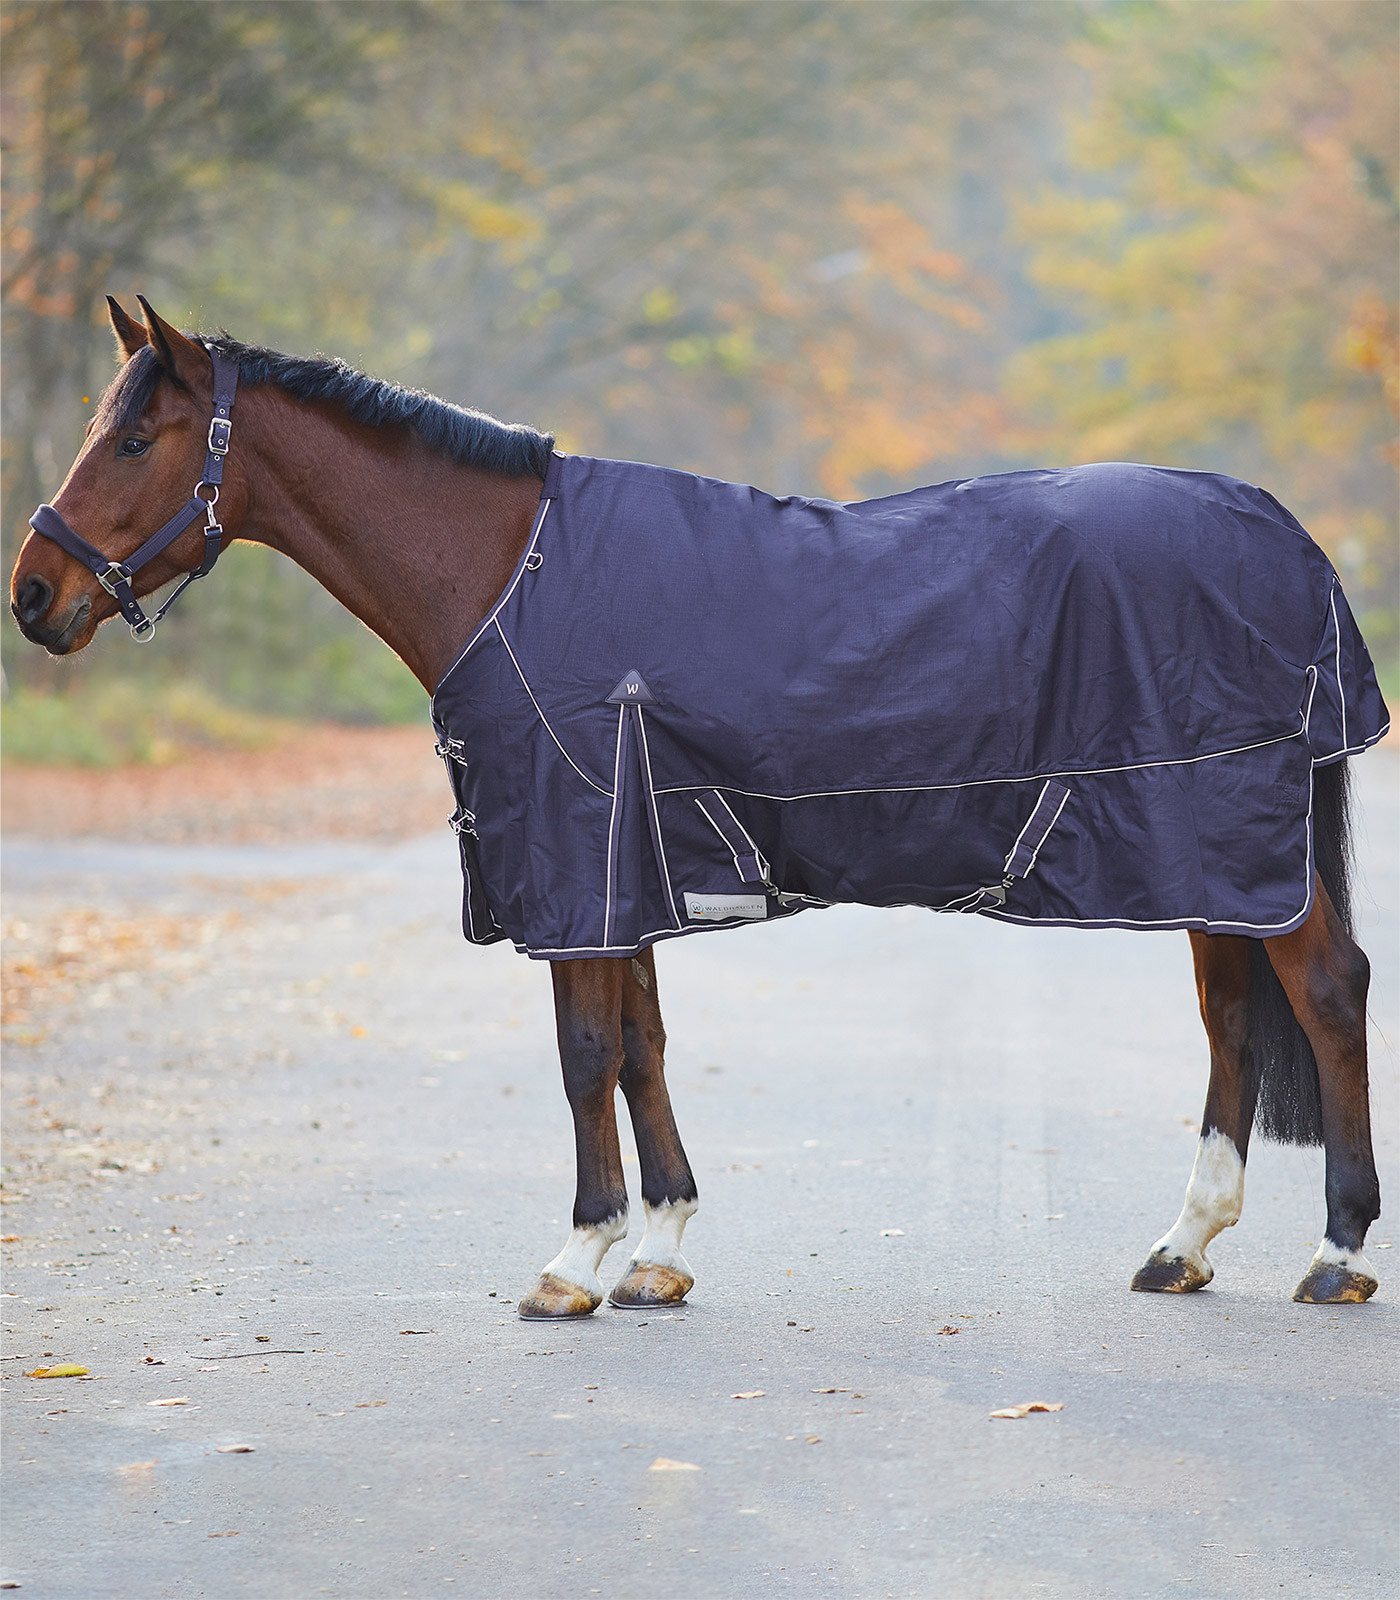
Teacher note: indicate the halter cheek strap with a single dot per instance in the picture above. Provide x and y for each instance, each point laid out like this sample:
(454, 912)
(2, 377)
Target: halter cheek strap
(116, 576)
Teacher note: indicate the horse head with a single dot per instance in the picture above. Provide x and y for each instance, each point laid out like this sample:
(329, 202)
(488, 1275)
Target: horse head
(146, 445)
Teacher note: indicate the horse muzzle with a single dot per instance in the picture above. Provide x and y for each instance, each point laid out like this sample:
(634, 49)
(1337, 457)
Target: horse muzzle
(33, 600)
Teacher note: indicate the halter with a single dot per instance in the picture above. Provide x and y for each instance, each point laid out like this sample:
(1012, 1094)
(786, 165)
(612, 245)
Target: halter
(115, 576)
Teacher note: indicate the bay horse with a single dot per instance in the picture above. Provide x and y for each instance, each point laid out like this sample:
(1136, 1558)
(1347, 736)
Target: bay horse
(416, 514)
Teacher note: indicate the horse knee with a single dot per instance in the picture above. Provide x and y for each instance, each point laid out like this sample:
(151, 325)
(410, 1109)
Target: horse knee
(592, 1066)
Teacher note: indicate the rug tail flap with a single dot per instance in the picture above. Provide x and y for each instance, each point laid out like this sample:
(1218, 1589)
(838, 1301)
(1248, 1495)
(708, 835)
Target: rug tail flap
(1347, 712)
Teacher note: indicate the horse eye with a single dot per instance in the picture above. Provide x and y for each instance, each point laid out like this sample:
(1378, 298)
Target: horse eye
(135, 447)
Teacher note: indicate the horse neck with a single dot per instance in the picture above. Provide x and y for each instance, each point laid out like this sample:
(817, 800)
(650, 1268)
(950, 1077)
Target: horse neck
(416, 545)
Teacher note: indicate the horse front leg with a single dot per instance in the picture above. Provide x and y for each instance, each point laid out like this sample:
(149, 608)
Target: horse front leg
(1215, 1192)
(588, 1019)
(1325, 975)
(658, 1274)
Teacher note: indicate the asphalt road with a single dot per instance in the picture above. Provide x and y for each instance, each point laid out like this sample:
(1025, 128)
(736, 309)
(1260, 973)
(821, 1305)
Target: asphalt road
(287, 1152)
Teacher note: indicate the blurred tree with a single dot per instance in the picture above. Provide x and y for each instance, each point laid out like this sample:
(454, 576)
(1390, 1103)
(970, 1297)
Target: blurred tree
(1227, 242)
(130, 128)
(728, 236)
(133, 136)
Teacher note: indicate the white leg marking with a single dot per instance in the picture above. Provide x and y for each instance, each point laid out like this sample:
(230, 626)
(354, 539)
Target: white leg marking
(660, 1244)
(579, 1260)
(1333, 1255)
(1214, 1197)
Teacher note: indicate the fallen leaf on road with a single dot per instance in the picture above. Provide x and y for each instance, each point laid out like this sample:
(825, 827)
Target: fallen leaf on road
(235, 1449)
(421, 1330)
(814, 1438)
(137, 1466)
(665, 1464)
(948, 1328)
(830, 1391)
(368, 1405)
(1029, 1406)
(231, 1533)
(749, 1394)
(66, 1371)
(179, 1400)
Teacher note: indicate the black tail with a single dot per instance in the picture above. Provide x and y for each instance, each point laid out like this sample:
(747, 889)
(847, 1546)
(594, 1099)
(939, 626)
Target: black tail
(1279, 1055)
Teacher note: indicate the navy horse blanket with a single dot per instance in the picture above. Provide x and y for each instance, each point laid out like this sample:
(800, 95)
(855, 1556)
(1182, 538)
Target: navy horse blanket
(1091, 698)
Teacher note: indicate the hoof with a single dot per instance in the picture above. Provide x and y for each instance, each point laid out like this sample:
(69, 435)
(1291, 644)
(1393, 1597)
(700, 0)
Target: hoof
(1161, 1274)
(552, 1299)
(651, 1286)
(1330, 1283)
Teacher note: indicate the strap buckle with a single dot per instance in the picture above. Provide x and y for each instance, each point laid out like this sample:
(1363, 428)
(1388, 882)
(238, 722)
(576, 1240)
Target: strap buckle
(111, 575)
(220, 432)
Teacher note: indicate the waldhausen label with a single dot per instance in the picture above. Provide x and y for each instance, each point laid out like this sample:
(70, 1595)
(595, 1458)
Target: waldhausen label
(720, 907)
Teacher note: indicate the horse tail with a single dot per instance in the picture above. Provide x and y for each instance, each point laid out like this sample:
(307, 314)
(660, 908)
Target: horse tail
(1280, 1058)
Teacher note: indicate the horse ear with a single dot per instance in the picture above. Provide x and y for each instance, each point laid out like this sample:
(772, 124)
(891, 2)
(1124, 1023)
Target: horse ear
(131, 336)
(182, 359)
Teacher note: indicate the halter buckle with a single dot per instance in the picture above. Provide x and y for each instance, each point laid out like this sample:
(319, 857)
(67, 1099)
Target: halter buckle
(144, 631)
(111, 575)
(220, 432)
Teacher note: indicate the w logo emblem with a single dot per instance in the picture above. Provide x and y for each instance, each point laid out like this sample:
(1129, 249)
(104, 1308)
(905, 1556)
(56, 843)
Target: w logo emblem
(632, 690)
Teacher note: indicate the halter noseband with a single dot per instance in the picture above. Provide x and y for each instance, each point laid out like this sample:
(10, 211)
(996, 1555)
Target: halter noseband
(115, 576)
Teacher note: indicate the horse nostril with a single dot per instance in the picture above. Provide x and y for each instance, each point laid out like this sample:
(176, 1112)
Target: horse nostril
(33, 598)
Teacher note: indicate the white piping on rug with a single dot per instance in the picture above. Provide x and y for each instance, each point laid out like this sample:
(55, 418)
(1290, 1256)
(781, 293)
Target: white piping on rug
(544, 719)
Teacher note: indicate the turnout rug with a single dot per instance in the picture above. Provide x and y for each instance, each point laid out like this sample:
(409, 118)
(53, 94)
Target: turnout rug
(1091, 697)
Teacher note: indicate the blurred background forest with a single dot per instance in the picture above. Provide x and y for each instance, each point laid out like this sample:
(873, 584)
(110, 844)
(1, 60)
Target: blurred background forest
(835, 249)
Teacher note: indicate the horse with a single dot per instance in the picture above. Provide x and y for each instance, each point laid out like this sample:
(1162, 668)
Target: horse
(420, 516)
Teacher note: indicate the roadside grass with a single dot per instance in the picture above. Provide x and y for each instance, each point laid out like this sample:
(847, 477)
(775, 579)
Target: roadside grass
(116, 722)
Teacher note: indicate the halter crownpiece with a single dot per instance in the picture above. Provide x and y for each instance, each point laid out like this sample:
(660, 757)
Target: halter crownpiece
(116, 576)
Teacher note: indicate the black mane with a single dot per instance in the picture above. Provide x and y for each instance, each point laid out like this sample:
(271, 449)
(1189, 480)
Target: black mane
(470, 438)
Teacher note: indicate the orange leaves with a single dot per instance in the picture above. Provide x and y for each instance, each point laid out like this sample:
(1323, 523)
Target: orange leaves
(1230, 262)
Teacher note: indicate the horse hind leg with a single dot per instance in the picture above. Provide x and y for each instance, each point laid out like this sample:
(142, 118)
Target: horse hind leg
(658, 1274)
(1325, 976)
(588, 1017)
(1215, 1193)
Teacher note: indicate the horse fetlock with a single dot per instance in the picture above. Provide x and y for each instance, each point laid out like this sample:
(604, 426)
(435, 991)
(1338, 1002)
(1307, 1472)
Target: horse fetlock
(1337, 1276)
(1165, 1272)
(1214, 1199)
